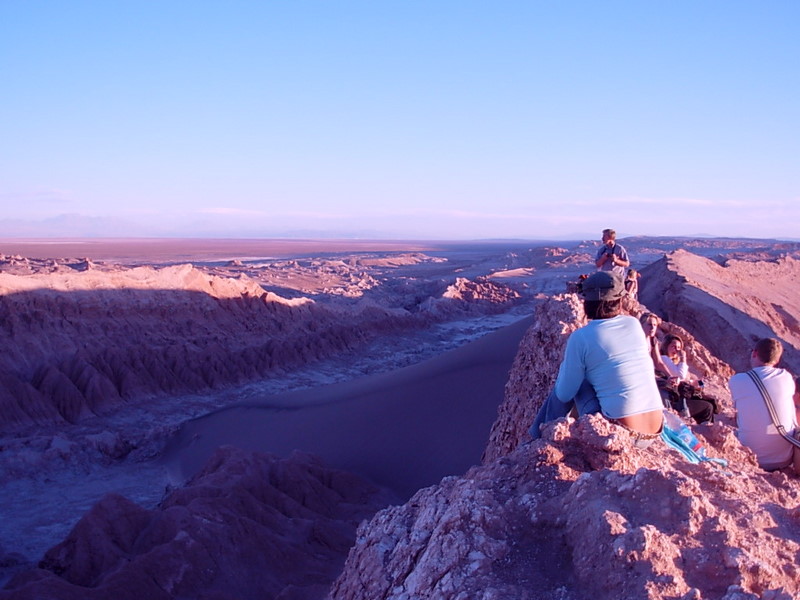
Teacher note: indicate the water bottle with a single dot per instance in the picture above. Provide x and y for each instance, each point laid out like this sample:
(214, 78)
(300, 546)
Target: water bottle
(683, 432)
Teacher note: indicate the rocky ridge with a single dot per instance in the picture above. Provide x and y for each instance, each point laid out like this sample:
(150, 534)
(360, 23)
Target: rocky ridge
(575, 515)
(81, 341)
(730, 304)
(580, 514)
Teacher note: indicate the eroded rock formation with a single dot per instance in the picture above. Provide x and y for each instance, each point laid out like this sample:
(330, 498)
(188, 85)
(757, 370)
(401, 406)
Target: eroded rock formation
(728, 306)
(79, 342)
(248, 525)
(577, 515)
(533, 373)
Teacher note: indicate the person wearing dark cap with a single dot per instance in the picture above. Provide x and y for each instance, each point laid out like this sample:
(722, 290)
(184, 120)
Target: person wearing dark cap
(606, 366)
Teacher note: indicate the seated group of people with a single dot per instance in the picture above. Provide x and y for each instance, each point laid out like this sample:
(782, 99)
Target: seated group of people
(609, 367)
(680, 391)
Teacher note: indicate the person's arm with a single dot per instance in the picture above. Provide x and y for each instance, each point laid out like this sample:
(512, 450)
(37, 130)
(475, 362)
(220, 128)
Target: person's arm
(603, 256)
(658, 362)
(680, 370)
(572, 371)
(622, 259)
(733, 388)
(683, 366)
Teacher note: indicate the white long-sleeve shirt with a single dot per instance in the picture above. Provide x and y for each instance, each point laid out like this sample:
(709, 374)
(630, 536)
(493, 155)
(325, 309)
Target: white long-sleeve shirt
(612, 354)
(681, 370)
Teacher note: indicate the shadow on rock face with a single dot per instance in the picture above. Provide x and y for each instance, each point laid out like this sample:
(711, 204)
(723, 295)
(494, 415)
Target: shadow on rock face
(247, 526)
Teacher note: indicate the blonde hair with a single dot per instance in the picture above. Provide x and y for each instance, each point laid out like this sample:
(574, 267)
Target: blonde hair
(647, 316)
(768, 350)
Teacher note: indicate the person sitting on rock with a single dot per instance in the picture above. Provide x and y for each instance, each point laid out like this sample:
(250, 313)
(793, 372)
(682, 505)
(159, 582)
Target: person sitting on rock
(756, 429)
(606, 367)
(673, 358)
(611, 256)
(650, 323)
(797, 397)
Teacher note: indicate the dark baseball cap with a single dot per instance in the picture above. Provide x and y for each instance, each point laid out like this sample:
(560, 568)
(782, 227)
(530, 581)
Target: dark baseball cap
(603, 285)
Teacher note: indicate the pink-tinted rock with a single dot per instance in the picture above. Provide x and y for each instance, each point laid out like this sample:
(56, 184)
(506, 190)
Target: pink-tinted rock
(729, 306)
(534, 371)
(247, 526)
(85, 341)
(581, 513)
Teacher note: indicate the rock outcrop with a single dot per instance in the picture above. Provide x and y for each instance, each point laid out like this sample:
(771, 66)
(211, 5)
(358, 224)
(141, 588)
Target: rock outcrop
(78, 344)
(249, 525)
(728, 306)
(536, 366)
(534, 372)
(582, 514)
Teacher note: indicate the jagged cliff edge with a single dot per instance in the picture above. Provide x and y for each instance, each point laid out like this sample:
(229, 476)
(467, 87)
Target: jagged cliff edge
(582, 514)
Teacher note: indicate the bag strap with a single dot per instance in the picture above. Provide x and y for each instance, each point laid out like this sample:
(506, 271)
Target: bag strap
(771, 408)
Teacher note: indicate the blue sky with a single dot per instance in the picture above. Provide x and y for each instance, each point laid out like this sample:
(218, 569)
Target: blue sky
(399, 119)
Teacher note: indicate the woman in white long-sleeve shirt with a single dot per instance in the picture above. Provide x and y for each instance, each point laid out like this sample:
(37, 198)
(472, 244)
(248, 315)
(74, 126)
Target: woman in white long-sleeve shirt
(673, 357)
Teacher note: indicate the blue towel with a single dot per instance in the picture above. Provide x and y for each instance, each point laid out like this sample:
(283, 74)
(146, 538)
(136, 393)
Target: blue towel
(672, 440)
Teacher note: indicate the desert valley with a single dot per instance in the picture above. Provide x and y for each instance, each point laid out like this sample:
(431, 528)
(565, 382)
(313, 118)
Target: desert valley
(231, 419)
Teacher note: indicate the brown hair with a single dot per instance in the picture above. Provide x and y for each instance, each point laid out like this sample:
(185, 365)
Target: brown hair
(668, 339)
(768, 350)
(612, 235)
(602, 309)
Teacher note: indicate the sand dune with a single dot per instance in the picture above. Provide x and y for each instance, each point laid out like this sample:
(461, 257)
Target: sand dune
(403, 430)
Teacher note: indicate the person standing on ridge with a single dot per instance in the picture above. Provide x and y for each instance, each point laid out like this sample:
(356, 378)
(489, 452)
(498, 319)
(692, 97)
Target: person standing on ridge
(611, 256)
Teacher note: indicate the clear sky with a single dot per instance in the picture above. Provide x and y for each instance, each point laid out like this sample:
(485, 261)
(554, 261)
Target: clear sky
(399, 118)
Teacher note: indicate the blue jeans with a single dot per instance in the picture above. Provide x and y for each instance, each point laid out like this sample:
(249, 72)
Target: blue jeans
(585, 401)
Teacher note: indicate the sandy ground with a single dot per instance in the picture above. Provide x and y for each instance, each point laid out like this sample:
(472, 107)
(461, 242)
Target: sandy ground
(404, 430)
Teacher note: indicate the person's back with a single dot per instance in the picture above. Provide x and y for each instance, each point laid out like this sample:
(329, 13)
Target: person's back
(606, 366)
(756, 429)
(612, 355)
